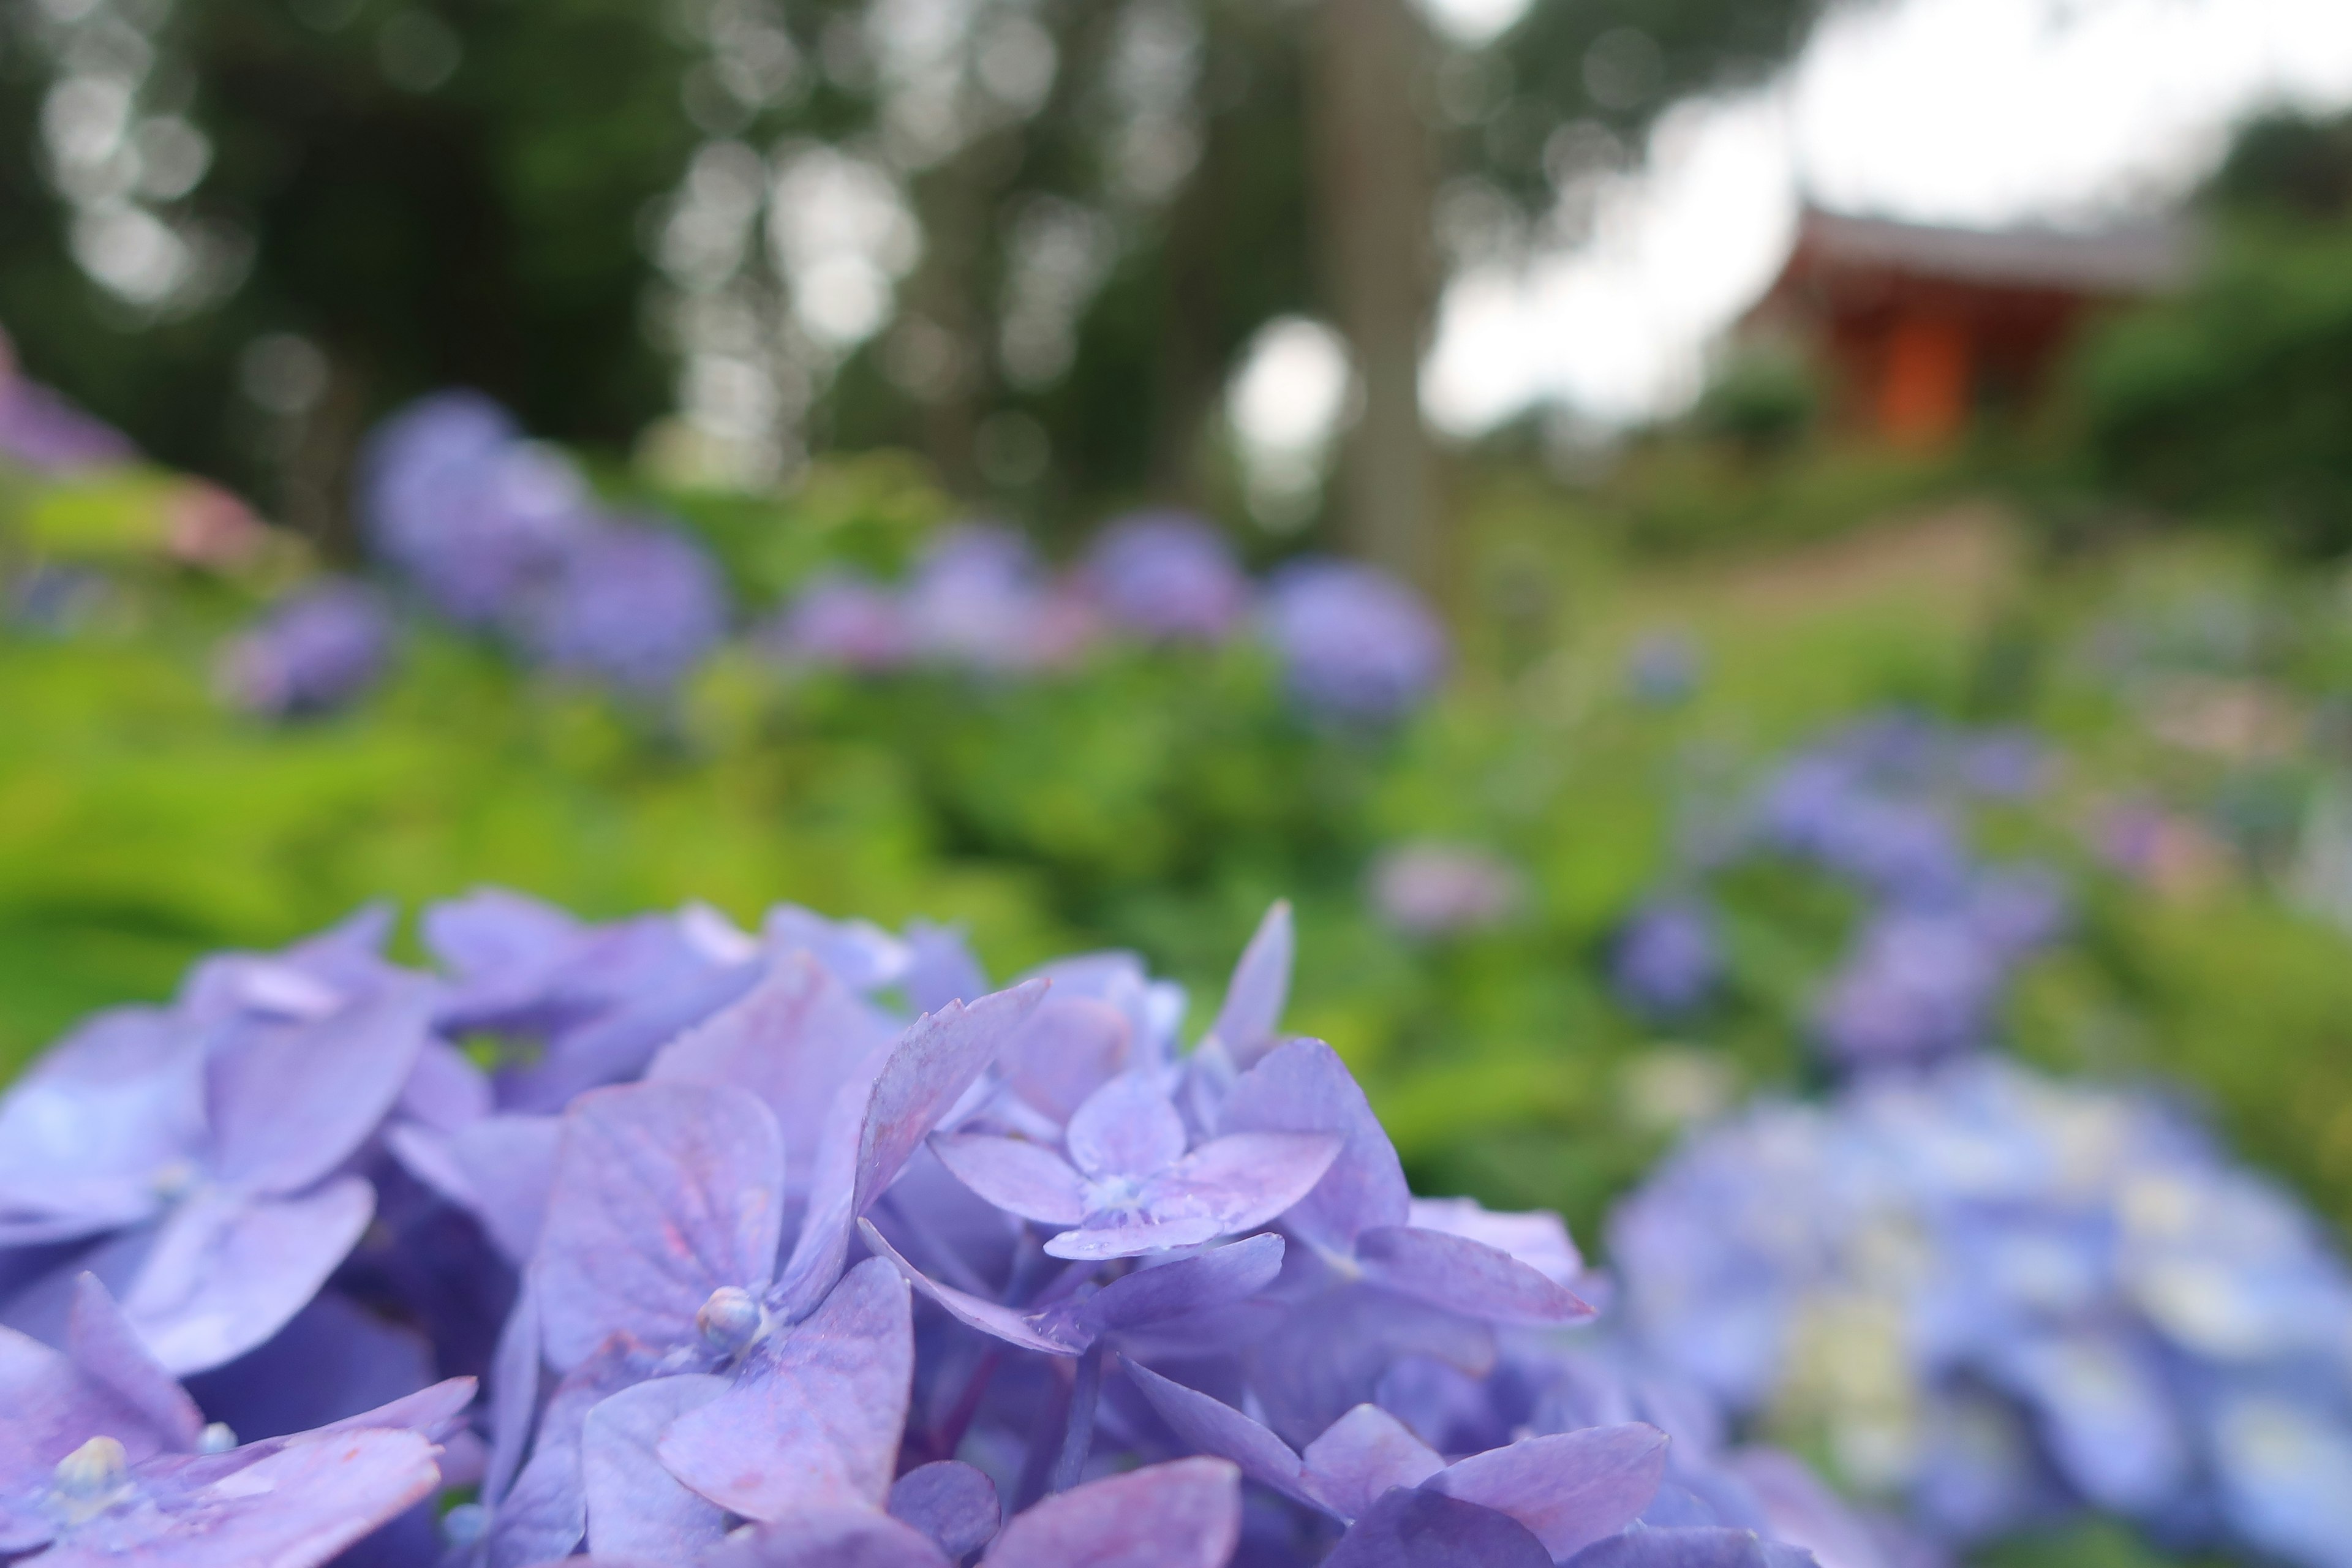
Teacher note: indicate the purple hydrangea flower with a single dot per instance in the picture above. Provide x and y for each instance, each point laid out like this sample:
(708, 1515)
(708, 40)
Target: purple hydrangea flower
(1168, 575)
(455, 499)
(317, 651)
(979, 599)
(1353, 642)
(1667, 959)
(2065, 1295)
(840, 619)
(764, 1268)
(633, 606)
(104, 1458)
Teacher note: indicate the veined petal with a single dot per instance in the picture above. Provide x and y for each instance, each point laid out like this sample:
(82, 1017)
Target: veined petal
(1302, 1086)
(1251, 1012)
(949, 1502)
(635, 1507)
(1187, 1514)
(1571, 1489)
(226, 1272)
(1016, 1175)
(1215, 1428)
(1128, 1127)
(1360, 1456)
(1467, 1276)
(1414, 1528)
(1005, 1323)
(1216, 1279)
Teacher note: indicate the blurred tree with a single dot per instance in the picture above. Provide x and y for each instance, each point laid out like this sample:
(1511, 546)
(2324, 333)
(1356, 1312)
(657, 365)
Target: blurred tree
(244, 229)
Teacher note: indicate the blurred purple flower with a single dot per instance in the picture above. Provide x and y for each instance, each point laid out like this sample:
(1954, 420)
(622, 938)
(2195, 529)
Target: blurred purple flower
(1667, 959)
(455, 499)
(1354, 642)
(1168, 575)
(1440, 889)
(2062, 1296)
(41, 430)
(843, 620)
(631, 604)
(318, 650)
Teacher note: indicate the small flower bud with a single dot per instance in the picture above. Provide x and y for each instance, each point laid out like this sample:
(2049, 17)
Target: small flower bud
(93, 1470)
(729, 1320)
(465, 1524)
(216, 1438)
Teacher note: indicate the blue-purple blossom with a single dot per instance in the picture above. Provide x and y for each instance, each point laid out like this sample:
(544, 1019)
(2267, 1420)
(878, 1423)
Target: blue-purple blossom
(1168, 575)
(2004, 1298)
(630, 604)
(318, 650)
(456, 501)
(1667, 959)
(762, 1266)
(979, 599)
(841, 619)
(1353, 642)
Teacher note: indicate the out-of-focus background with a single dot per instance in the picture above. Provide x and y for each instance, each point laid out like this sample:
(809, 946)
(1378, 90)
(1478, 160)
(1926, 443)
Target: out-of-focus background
(1707, 546)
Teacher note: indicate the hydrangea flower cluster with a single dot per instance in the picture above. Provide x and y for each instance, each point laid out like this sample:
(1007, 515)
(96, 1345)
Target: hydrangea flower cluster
(497, 532)
(2004, 1298)
(1879, 807)
(798, 1248)
(1353, 643)
(1430, 888)
(317, 649)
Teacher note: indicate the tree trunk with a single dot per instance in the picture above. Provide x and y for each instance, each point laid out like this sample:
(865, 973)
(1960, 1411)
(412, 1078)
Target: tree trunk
(1374, 176)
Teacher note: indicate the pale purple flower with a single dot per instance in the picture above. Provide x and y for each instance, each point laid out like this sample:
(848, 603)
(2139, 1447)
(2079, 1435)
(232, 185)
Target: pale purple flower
(104, 1458)
(473, 515)
(1353, 642)
(1436, 889)
(1667, 959)
(1168, 575)
(631, 604)
(319, 649)
(1662, 668)
(843, 620)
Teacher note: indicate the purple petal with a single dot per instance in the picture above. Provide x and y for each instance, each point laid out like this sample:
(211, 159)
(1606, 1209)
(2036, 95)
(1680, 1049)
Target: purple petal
(1234, 1183)
(509, 1162)
(107, 1350)
(1464, 1275)
(862, 953)
(228, 1273)
(1014, 1328)
(546, 1512)
(1362, 1455)
(53, 1407)
(514, 1392)
(1016, 1175)
(635, 1507)
(1187, 1514)
(1302, 1086)
(831, 1538)
(1217, 1278)
(949, 1502)
(941, 968)
(1697, 1546)
(1212, 1427)
(663, 1193)
(445, 1089)
(289, 1103)
(1537, 1238)
(335, 1359)
(296, 1507)
(1425, 1529)
(793, 1040)
(492, 932)
(815, 1420)
(1331, 1350)
(1800, 1509)
(1125, 1128)
(870, 1136)
(1571, 1488)
(85, 1130)
(1071, 1046)
(1260, 985)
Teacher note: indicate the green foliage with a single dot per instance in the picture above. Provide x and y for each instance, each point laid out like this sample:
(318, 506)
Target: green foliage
(2233, 402)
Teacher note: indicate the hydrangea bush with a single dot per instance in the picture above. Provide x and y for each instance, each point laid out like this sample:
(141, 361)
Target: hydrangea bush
(798, 1247)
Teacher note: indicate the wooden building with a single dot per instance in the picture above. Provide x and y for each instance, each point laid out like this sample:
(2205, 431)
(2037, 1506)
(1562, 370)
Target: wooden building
(1918, 328)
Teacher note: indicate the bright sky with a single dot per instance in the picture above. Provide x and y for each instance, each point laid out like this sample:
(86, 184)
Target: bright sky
(1982, 112)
